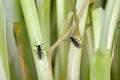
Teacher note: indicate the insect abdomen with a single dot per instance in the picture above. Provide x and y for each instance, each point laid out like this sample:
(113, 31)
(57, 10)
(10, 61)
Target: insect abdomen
(75, 42)
(39, 51)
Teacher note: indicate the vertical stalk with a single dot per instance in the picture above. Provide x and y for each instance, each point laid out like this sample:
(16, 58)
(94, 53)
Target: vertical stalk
(100, 60)
(97, 19)
(26, 60)
(100, 65)
(43, 66)
(61, 57)
(115, 70)
(4, 63)
(109, 23)
(74, 57)
(43, 7)
(82, 5)
(103, 65)
(89, 39)
(17, 32)
(13, 13)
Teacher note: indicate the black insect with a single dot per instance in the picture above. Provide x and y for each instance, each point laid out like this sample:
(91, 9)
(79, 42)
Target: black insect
(75, 42)
(39, 51)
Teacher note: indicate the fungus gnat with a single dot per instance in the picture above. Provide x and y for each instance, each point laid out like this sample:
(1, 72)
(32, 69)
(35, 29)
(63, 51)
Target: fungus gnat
(75, 42)
(39, 51)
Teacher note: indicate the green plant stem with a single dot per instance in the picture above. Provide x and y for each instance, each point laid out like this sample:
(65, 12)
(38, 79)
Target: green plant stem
(17, 33)
(26, 62)
(83, 18)
(13, 13)
(115, 71)
(88, 48)
(74, 57)
(113, 22)
(43, 66)
(100, 65)
(4, 63)
(60, 15)
(97, 19)
(100, 60)
(43, 7)
(61, 57)
(109, 23)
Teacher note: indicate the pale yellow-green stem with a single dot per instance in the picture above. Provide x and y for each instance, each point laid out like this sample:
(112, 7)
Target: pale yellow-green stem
(97, 19)
(61, 57)
(4, 63)
(43, 65)
(74, 57)
(109, 23)
(100, 60)
(13, 14)
(43, 7)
